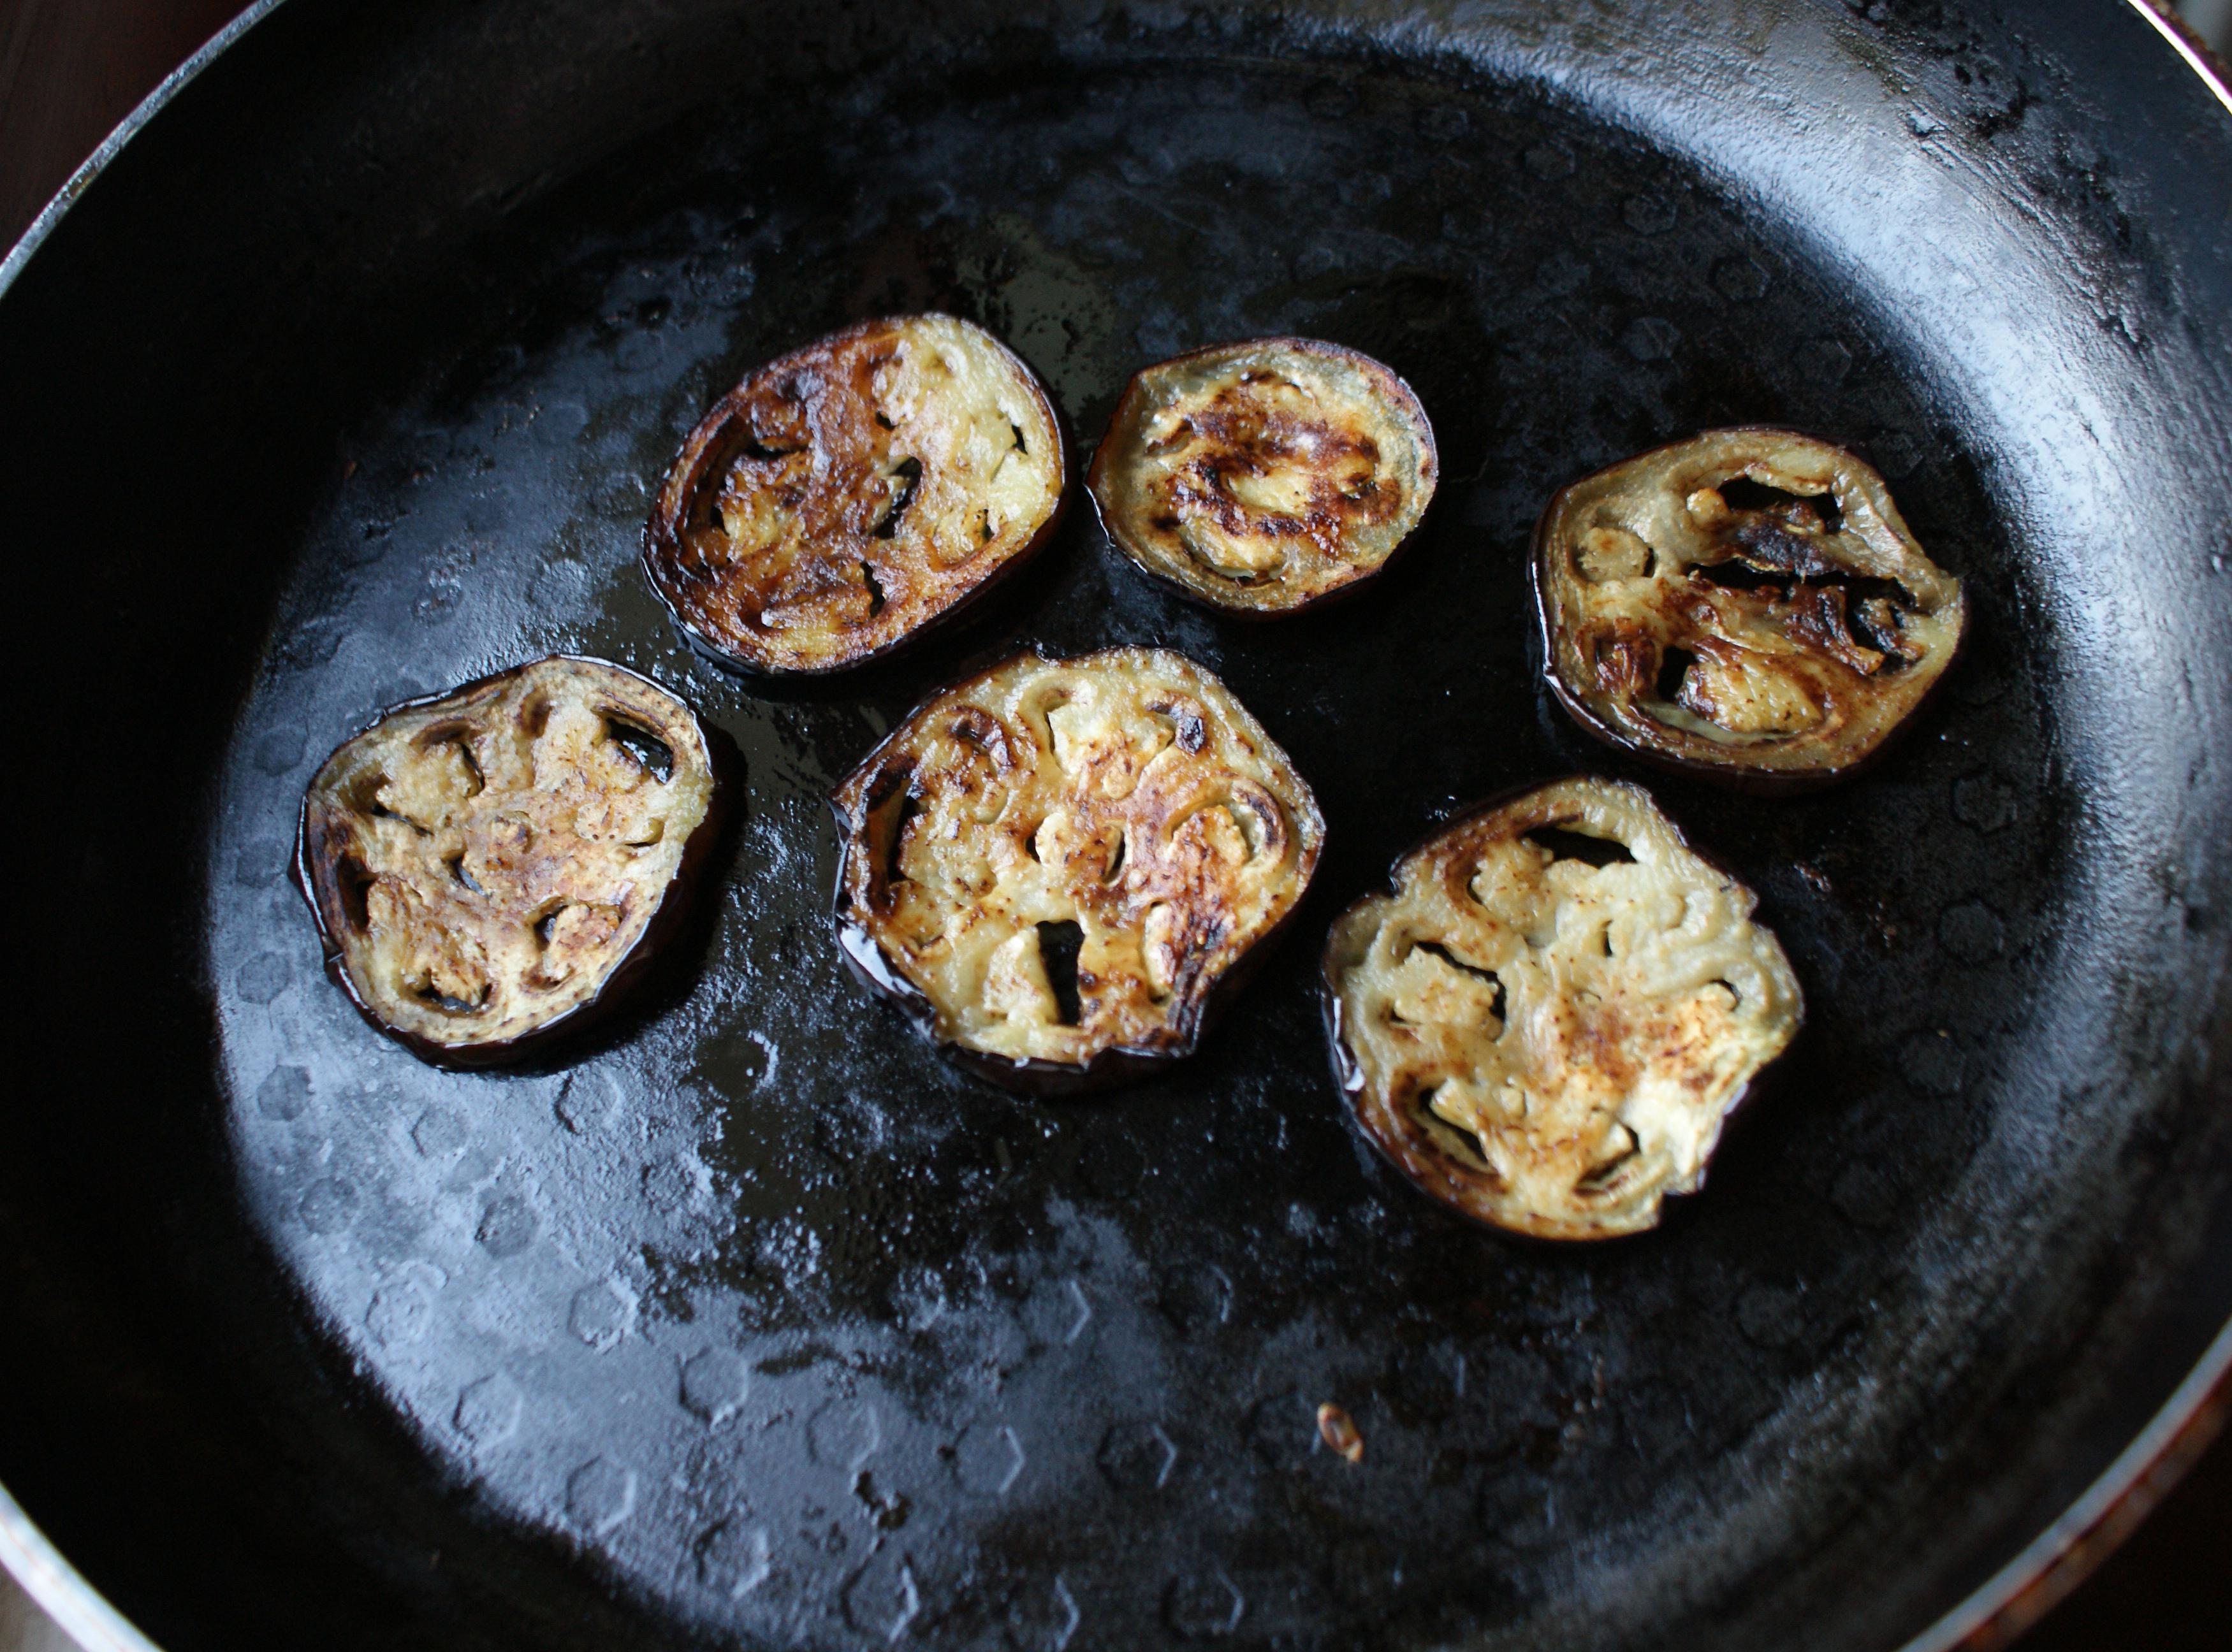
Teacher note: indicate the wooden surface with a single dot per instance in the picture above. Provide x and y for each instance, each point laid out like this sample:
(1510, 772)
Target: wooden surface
(71, 70)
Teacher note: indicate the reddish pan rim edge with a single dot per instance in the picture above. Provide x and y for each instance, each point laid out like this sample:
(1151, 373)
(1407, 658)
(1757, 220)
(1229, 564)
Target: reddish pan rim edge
(2071, 1549)
(2200, 56)
(2001, 1608)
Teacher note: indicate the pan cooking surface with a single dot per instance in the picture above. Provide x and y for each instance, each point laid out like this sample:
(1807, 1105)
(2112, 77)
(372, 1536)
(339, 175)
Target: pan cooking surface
(799, 1333)
(781, 1332)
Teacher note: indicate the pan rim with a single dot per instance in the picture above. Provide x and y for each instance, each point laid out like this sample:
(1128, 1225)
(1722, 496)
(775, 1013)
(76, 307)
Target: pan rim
(146, 109)
(2056, 1560)
(2198, 57)
(2061, 1547)
(58, 1589)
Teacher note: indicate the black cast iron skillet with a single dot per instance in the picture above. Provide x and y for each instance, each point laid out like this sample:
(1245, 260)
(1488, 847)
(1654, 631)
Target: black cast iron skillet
(750, 1323)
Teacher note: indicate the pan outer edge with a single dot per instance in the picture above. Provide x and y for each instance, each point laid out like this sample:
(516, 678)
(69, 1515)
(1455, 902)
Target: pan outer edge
(1994, 1613)
(2204, 62)
(2109, 1510)
(82, 1611)
(147, 108)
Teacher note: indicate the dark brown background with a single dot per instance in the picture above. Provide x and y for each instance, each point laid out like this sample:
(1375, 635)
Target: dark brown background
(71, 70)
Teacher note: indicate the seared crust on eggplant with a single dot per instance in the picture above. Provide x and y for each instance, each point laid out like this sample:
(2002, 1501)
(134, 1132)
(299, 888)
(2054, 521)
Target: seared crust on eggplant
(1262, 477)
(1058, 866)
(846, 496)
(1747, 604)
(1547, 1044)
(491, 866)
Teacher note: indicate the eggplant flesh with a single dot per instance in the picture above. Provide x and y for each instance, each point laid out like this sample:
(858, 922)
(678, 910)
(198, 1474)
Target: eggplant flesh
(1060, 867)
(849, 493)
(1546, 1023)
(1264, 477)
(1747, 604)
(488, 866)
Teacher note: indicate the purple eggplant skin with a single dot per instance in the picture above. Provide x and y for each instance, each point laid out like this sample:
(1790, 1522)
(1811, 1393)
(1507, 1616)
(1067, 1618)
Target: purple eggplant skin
(1744, 782)
(1405, 1148)
(1105, 1069)
(1339, 596)
(1348, 1079)
(941, 623)
(643, 963)
(1233, 604)
(664, 557)
(1729, 774)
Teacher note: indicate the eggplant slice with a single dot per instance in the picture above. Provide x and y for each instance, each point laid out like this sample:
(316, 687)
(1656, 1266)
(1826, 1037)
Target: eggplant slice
(1264, 477)
(491, 866)
(1060, 867)
(1747, 604)
(846, 496)
(1547, 1022)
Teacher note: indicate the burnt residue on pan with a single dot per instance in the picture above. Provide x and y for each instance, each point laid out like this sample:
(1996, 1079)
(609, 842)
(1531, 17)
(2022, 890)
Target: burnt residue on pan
(750, 1319)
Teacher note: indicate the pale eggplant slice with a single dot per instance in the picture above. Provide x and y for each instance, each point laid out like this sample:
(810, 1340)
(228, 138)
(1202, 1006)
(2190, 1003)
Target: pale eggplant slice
(492, 867)
(847, 495)
(1546, 1023)
(1748, 604)
(1061, 868)
(1267, 477)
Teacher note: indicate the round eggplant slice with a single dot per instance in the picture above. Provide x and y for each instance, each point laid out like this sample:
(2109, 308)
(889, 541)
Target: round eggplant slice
(1061, 868)
(847, 495)
(1264, 477)
(491, 866)
(1546, 1023)
(1747, 604)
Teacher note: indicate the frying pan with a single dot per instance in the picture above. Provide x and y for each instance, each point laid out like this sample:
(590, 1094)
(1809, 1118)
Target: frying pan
(747, 1322)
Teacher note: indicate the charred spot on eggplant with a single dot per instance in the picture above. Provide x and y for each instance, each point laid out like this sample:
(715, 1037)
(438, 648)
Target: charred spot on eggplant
(1747, 604)
(846, 496)
(490, 867)
(1548, 1041)
(1262, 477)
(1061, 867)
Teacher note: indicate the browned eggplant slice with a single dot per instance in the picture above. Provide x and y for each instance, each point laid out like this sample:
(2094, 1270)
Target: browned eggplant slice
(1266, 476)
(1061, 867)
(491, 866)
(1547, 1022)
(1747, 604)
(847, 495)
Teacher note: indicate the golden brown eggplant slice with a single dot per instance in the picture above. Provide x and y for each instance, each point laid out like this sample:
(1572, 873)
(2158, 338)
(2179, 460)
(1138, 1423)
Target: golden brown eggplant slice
(1747, 604)
(847, 495)
(1546, 1023)
(491, 866)
(1264, 477)
(1060, 867)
